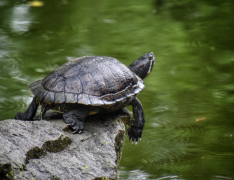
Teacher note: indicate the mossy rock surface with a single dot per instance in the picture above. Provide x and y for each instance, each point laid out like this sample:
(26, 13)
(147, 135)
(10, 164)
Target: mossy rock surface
(48, 150)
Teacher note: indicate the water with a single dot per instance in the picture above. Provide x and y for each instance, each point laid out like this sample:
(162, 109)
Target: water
(188, 99)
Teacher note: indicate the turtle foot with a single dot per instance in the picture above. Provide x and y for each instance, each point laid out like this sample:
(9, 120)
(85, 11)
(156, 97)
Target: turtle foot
(19, 116)
(135, 133)
(22, 116)
(75, 124)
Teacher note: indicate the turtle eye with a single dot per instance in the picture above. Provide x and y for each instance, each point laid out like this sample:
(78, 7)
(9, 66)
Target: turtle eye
(151, 56)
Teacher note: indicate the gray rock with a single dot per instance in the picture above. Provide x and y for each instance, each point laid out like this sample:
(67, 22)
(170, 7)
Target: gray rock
(42, 150)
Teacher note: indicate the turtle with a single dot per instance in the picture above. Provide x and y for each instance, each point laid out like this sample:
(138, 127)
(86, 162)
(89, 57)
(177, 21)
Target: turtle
(89, 85)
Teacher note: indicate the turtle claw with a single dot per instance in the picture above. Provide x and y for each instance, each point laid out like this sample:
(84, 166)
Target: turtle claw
(76, 124)
(73, 132)
(135, 142)
(80, 131)
(134, 134)
(77, 130)
(78, 127)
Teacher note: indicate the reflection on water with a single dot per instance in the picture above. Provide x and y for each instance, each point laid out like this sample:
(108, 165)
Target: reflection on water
(188, 99)
(21, 19)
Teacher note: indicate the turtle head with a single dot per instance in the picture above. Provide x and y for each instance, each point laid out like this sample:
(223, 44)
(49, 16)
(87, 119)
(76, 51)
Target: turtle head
(143, 66)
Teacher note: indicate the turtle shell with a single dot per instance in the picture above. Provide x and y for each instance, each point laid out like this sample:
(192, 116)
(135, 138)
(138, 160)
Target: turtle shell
(89, 80)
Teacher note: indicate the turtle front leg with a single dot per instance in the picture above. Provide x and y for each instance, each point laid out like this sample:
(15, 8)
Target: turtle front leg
(76, 116)
(135, 132)
(29, 113)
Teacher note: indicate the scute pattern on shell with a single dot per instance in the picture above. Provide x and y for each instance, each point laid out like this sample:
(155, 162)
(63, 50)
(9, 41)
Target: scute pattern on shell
(90, 80)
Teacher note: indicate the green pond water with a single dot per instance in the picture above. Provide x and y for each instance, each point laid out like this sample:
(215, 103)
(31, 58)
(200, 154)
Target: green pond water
(189, 97)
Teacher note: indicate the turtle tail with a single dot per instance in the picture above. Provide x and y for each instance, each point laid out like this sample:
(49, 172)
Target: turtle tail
(37, 89)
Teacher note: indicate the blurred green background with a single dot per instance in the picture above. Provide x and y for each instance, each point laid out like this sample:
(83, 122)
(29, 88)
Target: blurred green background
(189, 96)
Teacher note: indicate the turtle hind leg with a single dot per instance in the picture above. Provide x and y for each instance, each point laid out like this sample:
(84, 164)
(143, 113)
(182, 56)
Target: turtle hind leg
(135, 132)
(29, 113)
(76, 116)
(44, 108)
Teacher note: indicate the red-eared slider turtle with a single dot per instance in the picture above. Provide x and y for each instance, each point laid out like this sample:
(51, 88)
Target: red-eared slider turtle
(90, 85)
